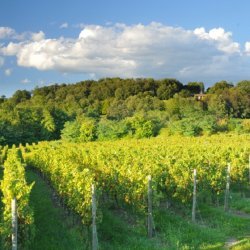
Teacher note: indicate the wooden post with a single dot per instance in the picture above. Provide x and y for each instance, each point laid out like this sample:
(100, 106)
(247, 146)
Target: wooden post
(94, 230)
(249, 169)
(150, 208)
(226, 204)
(14, 223)
(194, 198)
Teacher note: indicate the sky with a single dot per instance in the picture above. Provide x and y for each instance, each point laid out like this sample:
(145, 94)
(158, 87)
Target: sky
(47, 42)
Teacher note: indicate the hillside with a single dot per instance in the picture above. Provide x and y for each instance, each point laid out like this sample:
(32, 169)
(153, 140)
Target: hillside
(112, 108)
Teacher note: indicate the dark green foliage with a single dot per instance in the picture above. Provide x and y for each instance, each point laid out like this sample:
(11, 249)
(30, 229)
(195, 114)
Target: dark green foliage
(244, 86)
(196, 125)
(48, 125)
(219, 87)
(42, 113)
(108, 130)
(167, 88)
(195, 87)
(178, 107)
(117, 110)
(20, 96)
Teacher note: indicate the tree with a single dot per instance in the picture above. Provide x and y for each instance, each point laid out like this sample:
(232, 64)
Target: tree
(49, 126)
(219, 105)
(142, 127)
(110, 130)
(244, 86)
(20, 96)
(195, 87)
(219, 87)
(2, 98)
(167, 88)
(71, 131)
(88, 129)
(117, 110)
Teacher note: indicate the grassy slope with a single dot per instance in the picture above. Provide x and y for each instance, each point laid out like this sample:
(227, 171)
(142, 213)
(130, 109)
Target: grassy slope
(241, 203)
(52, 229)
(173, 231)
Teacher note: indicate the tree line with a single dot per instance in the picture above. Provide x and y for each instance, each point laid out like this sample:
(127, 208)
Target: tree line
(113, 108)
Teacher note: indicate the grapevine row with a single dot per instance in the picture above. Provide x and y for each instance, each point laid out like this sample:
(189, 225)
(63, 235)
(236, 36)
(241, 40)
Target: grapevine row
(14, 187)
(119, 169)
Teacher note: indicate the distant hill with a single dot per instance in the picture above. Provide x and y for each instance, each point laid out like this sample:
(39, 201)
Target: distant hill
(116, 107)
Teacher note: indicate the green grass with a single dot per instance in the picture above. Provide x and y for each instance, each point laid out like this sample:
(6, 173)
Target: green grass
(241, 204)
(121, 229)
(53, 232)
(230, 224)
(116, 233)
(172, 231)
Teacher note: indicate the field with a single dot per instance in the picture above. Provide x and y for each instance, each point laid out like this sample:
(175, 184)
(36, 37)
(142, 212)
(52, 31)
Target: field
(61, 198)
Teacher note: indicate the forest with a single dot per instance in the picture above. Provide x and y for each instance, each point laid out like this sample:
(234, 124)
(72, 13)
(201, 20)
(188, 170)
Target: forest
(112, 108)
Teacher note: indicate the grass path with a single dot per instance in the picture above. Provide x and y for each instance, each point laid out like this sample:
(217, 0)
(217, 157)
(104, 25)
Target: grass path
(52, 230)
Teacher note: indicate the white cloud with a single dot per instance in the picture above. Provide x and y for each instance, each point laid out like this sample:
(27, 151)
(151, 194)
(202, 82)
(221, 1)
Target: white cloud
(222, 39)
(247, 48)
(64, 26)
(25, 81)
(6, 32)
(11, 49)
(137, 50)
(8, 72)
(36, 37)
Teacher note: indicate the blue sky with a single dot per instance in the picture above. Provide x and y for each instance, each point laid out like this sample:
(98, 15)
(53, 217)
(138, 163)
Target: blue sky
(46, 42)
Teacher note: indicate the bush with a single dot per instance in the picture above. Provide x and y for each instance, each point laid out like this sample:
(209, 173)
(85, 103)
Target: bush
(239, 125)
(110, 130)
(88, 130)
(186, 127)
(195, 126)
(246, 125)
(142, 127)
(209, 125)
(71, 131)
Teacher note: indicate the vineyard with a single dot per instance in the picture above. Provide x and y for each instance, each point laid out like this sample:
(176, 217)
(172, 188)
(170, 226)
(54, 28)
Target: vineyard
(119, 171)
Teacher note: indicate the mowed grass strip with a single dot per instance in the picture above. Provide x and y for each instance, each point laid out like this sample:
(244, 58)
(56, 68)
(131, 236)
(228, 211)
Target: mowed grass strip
(52, 230)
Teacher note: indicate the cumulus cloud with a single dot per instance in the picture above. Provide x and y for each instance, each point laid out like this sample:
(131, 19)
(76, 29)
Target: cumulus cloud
(222, 39)
(36, 37)
(8, 72)
(64, 26)
(6, 32)
(138, 50)
(247, 48)
(11, 49)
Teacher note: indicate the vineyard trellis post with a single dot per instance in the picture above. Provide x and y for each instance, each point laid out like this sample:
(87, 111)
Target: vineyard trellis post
(226, 204)
(150, 208)
(94, 230)
(14, 223)
(194, 197)
(249, 170)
